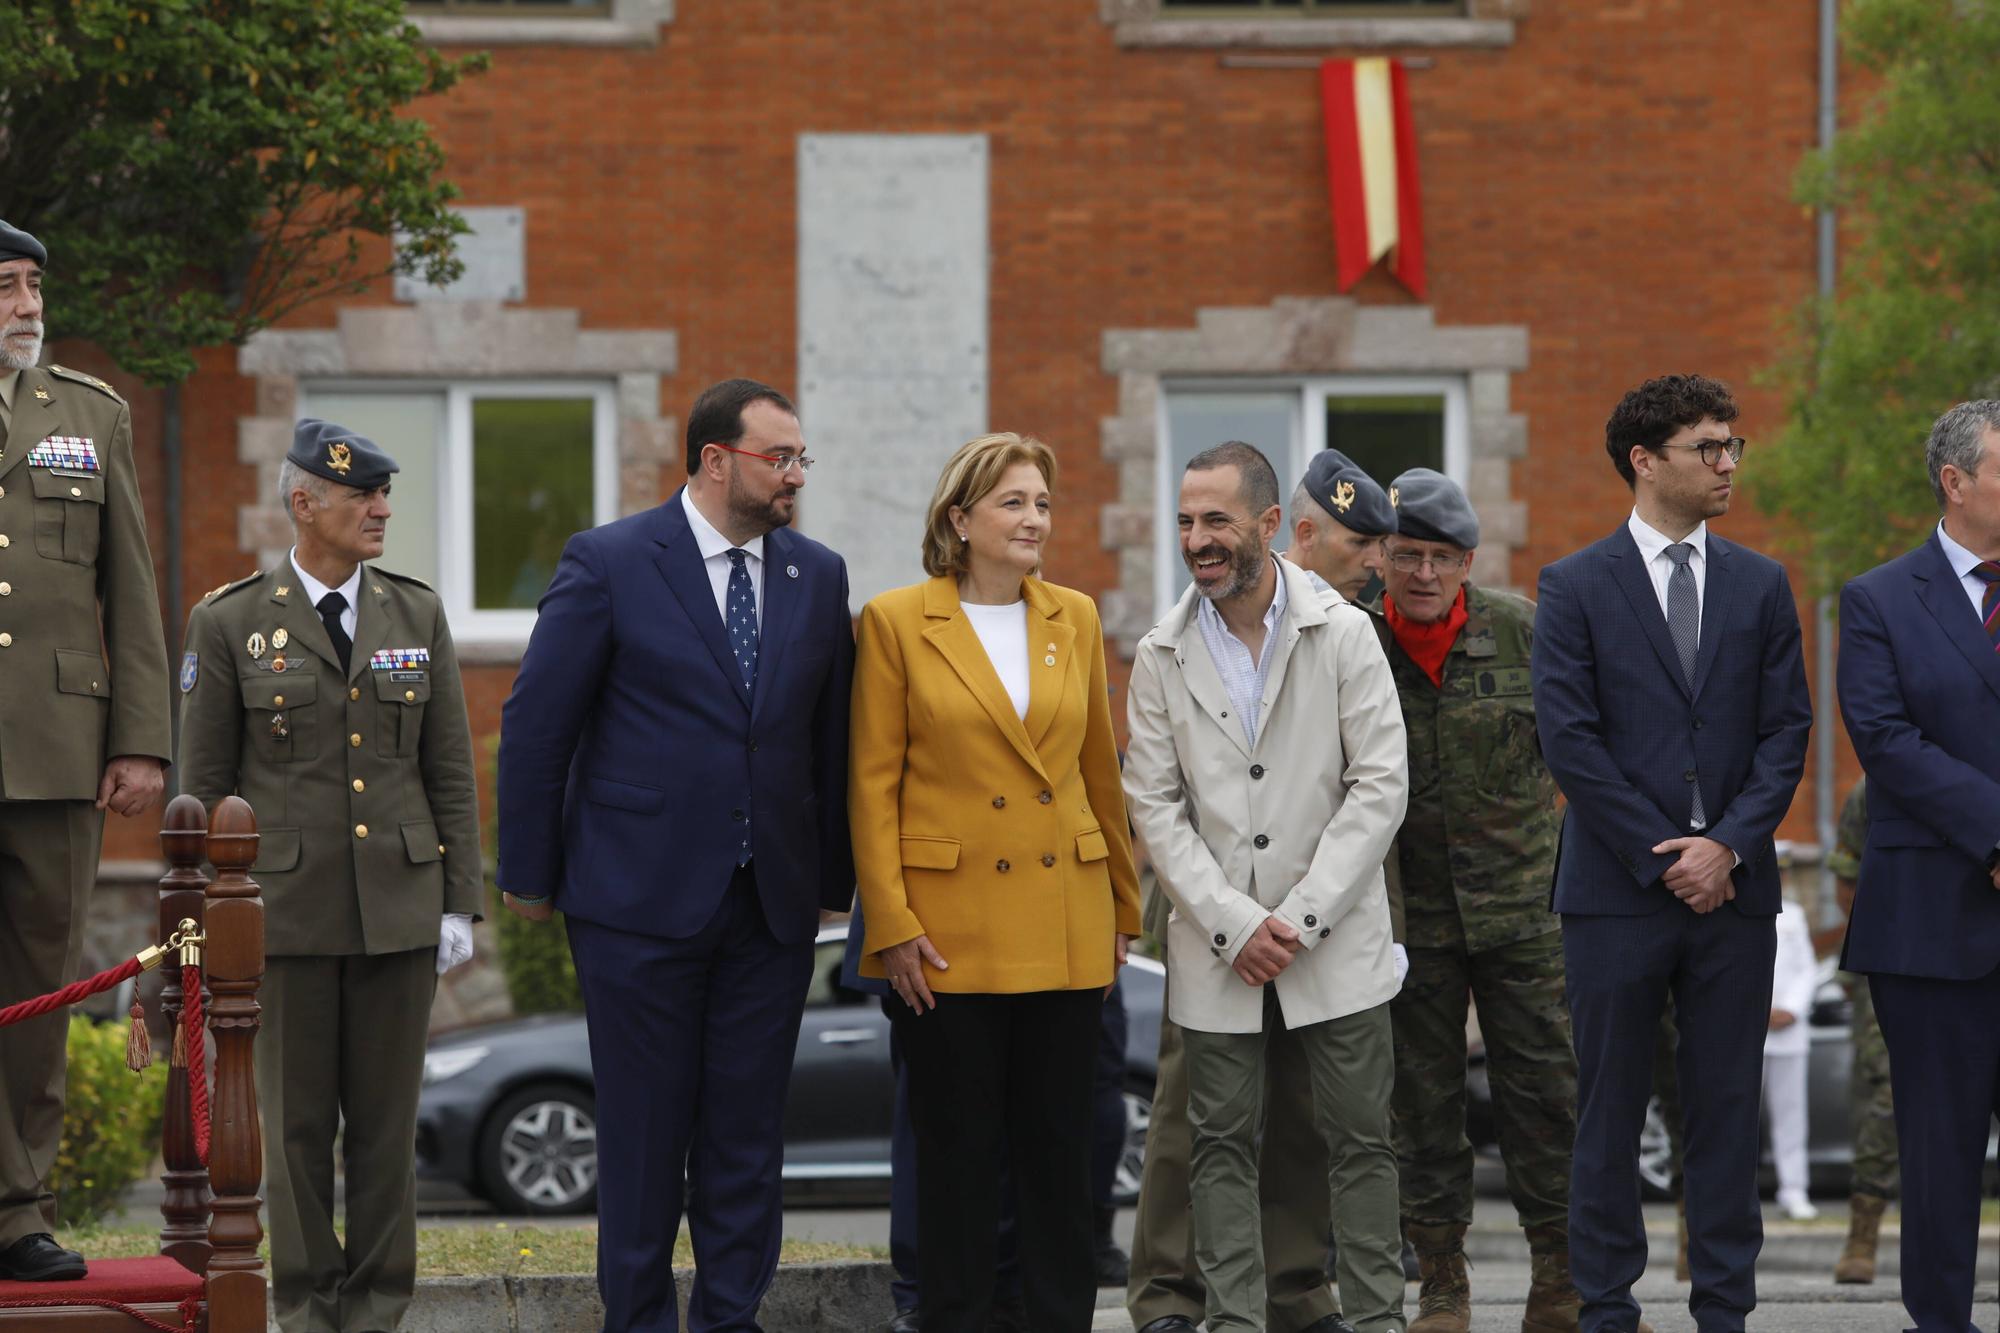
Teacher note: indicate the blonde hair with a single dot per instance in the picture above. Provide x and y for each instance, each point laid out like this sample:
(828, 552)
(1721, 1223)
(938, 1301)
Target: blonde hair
(970, 475)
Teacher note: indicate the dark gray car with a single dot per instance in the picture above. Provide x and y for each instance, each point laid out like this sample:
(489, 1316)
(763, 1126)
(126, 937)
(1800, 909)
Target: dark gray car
(508, 1109)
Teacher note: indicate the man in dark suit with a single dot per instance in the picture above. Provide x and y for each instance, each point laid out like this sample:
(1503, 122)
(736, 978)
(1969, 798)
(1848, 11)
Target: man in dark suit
(673, 776)
(1671, 701)
(1919, 684)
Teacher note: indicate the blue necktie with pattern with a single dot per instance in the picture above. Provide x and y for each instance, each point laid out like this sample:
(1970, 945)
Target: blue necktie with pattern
(741, 622)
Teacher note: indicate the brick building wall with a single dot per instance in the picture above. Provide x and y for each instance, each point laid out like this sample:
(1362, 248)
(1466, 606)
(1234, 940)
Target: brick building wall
(1609, 177)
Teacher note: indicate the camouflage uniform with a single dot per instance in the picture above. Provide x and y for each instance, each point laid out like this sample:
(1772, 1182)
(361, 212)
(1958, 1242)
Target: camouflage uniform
(1872, 1110)
(1477, 852)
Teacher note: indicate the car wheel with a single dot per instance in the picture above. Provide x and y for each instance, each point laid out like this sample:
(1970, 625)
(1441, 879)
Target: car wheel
(1132, 1158)
(1656, 1155)
(538, 1153)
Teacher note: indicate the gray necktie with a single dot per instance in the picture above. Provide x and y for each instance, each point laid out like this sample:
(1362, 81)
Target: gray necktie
(1684, 625)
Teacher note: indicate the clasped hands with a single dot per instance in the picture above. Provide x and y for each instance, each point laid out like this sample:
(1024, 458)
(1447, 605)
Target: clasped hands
(1701, 877)
(1269, 951)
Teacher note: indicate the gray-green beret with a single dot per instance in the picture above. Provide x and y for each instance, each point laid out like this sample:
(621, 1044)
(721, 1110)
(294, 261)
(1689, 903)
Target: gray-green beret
(17, 244)
(1353, 498)
(1431, 508)
(338, 454)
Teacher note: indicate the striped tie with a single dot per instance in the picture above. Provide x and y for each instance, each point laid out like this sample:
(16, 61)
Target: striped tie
(1989, 606)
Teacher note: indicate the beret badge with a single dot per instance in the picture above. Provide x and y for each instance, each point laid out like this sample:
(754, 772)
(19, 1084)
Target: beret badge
(339, 458)
(1395, 497)
(1343, 496)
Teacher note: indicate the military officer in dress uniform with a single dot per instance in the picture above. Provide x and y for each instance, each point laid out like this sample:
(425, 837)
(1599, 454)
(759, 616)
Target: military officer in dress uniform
(326, 693)
(78, 616)
(1478, 849)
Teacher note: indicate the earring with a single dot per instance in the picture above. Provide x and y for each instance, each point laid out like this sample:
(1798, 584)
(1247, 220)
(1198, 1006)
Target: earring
(961, 536)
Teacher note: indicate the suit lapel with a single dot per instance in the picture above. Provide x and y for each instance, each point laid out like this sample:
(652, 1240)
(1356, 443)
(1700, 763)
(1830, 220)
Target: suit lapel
(781, 599)
(371, 623)
(679, 562)
(1051, 644)
(1717, 594)
(35, 418)
(1204, 683)
(959, 644)
(1302, 609)
(1628, 567)
(1939, 589)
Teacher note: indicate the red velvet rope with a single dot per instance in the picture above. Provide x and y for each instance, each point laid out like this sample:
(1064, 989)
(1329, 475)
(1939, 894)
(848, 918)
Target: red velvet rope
(197, 1056)
(190, 1310)
(68, 995)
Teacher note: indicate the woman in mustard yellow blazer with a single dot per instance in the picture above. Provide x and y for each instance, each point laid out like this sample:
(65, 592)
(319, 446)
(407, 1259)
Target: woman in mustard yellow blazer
(996, 880)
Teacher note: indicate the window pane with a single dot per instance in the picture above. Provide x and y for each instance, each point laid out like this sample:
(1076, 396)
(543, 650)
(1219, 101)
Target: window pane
(1198, 421)
(408, 426)
(532, 461)
(1387, 437)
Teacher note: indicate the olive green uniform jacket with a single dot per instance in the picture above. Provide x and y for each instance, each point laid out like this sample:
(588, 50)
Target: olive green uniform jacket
(362, 782)
(83, 657)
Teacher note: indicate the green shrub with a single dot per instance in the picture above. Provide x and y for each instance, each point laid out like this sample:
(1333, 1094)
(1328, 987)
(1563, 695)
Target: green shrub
(111, 1124)
(534, 955)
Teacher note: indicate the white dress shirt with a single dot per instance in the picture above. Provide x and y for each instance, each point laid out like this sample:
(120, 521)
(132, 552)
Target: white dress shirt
(315, 590)
(1653, 546)
(1962, 564)
(1003, 631)
(715, 548)
(1243, 677)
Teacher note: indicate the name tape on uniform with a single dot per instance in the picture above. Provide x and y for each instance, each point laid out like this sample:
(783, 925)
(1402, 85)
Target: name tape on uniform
(71, 453)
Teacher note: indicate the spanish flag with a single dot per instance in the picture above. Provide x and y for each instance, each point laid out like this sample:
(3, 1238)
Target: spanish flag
(1371, 167)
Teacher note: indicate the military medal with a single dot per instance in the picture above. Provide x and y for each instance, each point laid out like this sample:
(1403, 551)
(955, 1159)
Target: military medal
(279, 638)
(279, 730)
(277, 664)
(254, 645)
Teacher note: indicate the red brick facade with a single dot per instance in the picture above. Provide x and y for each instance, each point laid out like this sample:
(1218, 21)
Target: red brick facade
(1614, 180)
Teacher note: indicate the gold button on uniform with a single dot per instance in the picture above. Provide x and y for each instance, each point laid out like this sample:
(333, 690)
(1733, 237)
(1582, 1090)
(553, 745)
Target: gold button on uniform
(354, 693)
(355, 740)
(76, 491)
(6, 590)
(6, 641)
(277, 701)
(440, 849)
(3, 541)
(409, 696)
(360, 830)
(359, 785)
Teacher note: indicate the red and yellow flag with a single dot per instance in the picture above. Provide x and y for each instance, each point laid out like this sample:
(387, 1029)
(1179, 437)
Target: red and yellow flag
(1371, 161)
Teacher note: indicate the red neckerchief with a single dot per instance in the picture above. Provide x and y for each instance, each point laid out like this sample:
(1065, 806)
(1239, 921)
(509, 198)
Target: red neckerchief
(1427, 645)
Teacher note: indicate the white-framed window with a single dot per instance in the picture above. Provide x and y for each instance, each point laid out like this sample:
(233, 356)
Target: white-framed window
(1386, 423)
(496, 475)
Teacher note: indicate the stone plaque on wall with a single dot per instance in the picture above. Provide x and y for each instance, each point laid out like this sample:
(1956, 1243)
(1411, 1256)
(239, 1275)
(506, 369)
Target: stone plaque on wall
(892, 336)
(495, 256)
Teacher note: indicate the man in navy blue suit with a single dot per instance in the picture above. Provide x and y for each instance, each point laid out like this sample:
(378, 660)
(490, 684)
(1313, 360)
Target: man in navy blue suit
(1671, 700)
(1920, 690)
(673, 777)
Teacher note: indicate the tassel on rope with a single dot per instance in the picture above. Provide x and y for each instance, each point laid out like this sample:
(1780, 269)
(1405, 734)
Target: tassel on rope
(138, 1041)
(179, 1058)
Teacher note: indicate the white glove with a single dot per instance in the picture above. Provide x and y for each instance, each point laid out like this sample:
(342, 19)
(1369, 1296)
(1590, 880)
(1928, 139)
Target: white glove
(1402, 962)
(454, 941)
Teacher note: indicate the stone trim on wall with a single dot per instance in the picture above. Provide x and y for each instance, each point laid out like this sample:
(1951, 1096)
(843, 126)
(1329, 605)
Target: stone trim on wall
(457, 340)
(1306, 337)
(630, 23)
(1144, 23)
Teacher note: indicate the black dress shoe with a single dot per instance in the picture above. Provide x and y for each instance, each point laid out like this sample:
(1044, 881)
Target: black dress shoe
(1173, 1323)
(1333, 1323)
(904, 1322)
(38, 1258)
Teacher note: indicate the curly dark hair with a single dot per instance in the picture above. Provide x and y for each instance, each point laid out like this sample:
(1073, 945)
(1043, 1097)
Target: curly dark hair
(1650, 414)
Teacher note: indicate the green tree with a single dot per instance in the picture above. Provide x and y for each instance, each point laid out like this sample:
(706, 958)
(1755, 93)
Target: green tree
(1915, 323)
(200, 168)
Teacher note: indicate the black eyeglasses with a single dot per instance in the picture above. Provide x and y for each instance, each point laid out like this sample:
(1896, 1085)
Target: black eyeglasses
(1712, 450)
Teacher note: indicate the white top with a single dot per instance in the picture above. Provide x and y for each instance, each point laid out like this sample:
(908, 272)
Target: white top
(1792, 981)
(1962, 564)
(315, 590)
(1004, 632)
(1653, 546)
(1243, 678)
(715, 548)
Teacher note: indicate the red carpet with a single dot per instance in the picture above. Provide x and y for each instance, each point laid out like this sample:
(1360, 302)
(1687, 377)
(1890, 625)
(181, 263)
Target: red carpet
(129, 1281)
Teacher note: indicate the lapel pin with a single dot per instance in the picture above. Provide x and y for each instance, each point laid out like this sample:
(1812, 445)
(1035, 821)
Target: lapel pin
(377, 587)
(791, 571)
(282, 590)
(254, 645)
(1050, 660)
(41, 393)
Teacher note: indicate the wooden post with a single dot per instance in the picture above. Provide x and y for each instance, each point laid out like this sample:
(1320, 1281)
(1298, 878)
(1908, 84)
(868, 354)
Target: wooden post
(184, 1238)
(234, 957)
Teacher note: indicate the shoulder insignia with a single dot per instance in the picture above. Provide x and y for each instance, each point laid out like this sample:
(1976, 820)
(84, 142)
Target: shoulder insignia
(400, 578)
(77, 376)
(216, 592)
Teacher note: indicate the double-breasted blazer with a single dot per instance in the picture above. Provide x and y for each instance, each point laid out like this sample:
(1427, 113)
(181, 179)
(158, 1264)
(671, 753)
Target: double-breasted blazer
(1002, 839)
(1296, 826)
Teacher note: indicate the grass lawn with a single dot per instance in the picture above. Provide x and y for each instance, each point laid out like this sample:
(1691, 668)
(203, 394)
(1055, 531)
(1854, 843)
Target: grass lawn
(474, 1249)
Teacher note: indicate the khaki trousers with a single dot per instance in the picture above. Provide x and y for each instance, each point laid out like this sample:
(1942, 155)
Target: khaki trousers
(343, 1041)
(48, 865)
(1350, 1065)
(1294, 1217)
